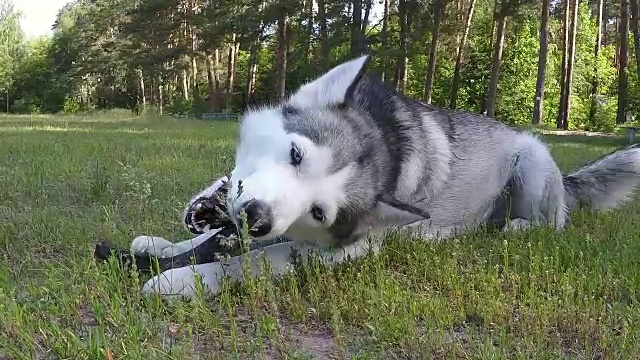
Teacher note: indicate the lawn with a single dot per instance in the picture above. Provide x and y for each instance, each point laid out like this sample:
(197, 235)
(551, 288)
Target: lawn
(67, 182)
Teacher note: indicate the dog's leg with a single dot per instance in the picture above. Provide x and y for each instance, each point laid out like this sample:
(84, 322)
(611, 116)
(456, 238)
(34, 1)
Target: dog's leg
(181, 282)
(517, 224)
(157, 246)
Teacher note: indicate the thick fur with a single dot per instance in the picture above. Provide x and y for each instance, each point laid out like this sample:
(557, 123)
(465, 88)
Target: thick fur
(371, 160)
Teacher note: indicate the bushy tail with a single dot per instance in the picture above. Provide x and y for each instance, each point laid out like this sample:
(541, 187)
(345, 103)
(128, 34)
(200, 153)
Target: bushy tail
(605, 183)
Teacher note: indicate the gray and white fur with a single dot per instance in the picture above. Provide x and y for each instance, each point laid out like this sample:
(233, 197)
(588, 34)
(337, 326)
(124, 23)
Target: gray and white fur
(346, 158)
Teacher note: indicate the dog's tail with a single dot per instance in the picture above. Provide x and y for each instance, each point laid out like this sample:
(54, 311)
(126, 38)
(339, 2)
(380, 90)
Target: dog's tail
(605, 183)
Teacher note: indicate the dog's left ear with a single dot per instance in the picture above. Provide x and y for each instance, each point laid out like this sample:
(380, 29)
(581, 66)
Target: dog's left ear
(334, 87)
(394, 213)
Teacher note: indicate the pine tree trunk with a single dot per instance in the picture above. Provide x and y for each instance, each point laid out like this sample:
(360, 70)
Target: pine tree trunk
(495, 65)
(562, 108)
(496, 8)
(325, 51)
(538, 105)
(571, 63)
(433, 52)
(623, 80)
(213, 77)
(281, 56)
(455, 86)
(309, 32)
(231, 70)
(143, 96)
(185, 84)
(365, 21)
(400, 81)
(160, 96)
(253, 70)
(635, 13)
(595, 83)
(356, 29)
(385, 40)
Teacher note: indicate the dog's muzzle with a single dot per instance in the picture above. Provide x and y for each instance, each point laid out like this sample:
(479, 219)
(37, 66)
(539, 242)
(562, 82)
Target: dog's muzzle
(259, 217)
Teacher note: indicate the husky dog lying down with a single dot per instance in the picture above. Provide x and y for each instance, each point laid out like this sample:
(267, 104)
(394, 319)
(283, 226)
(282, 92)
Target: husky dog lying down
(346, 158)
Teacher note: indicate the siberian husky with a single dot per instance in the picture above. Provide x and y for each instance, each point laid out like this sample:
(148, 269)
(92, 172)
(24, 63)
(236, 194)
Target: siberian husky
(346, 158)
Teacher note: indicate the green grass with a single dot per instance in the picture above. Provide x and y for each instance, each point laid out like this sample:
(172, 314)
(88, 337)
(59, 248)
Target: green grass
(68, 182)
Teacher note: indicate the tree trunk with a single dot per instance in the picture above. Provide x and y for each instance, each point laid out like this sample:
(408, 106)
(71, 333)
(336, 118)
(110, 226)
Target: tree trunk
(496, 7)
(365, 21)
(185, 84)
(400, 81)
(214, 81)
(635, 13)
(562, 108)
(356, 29)
(253, 70)
(538, 105)
(595, 82)
(495, 66)
(623, 80)
(281, 56)
(325, 51)
(385, 39)
(566, 101)
(309, 34)
(231, 70)
(455, 86)
(143, 97)
(160, 96)
(433, 51)
(572, 58)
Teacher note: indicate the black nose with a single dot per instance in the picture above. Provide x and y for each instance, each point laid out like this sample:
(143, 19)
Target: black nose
(259, 218)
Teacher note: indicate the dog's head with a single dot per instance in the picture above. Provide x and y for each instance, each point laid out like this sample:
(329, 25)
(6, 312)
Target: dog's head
(303, 168)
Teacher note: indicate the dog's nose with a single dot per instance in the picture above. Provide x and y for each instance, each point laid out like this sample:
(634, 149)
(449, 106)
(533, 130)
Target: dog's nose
(259, 218)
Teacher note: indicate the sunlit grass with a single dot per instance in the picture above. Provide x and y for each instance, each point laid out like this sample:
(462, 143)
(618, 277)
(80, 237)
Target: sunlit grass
(536, 294)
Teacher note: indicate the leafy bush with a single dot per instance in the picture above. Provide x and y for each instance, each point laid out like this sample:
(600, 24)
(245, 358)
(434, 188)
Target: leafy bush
(179, 106)
(27, 105)
(71, 106)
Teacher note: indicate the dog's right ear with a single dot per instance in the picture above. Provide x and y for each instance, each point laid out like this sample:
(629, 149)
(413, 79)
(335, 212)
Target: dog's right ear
(334, 87)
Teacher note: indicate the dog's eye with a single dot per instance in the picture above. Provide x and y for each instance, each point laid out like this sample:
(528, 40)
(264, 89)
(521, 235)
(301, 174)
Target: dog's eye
(296, 155)
(317, 213)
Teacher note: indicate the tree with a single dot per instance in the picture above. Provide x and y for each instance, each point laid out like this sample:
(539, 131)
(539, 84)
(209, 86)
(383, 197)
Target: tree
(11, 41)
(595, 82)
(438, 9)
(400, 80)
(455, 86)
(568, 57)
(357, 35)
(623, 80)
(281, 55)
(542, 63)
(635, 14)
(495, 63)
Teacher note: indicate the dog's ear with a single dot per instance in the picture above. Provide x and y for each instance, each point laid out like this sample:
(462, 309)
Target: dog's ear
(334, 87)
(394, 213)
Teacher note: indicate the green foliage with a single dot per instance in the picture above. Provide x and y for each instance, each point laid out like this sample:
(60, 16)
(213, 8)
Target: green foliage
(71, 106)
(27, 105)
(179, 106)
(106, 53)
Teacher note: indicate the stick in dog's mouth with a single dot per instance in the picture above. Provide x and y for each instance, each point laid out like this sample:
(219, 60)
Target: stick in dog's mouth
(228, 241)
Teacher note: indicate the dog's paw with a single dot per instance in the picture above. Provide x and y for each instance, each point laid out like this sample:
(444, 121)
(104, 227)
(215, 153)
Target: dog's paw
(517, 225)
(150, 245)
(182, 283)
